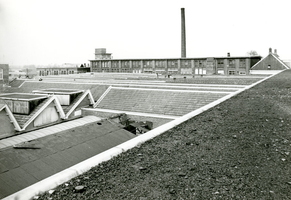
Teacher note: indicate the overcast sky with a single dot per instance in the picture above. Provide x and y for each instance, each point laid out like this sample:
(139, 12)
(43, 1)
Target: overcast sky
(68, 31)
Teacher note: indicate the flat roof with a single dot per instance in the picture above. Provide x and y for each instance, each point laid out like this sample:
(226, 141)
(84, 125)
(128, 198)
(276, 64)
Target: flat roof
(58, 91)
(22, 96)
(199, 58)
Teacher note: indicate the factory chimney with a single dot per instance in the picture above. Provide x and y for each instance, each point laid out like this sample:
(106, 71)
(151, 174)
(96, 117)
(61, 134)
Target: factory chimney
(183, 34)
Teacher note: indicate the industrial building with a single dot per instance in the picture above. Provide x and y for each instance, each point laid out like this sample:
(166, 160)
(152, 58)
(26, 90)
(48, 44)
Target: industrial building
(4, 74)
(170, 66)
(63, 70)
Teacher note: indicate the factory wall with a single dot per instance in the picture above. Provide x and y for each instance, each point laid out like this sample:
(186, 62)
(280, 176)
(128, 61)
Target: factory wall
(190, 66)
(61, 70)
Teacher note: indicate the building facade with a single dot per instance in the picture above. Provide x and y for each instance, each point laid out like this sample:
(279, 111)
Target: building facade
(183, 66)
(61, 70)
(4, 73)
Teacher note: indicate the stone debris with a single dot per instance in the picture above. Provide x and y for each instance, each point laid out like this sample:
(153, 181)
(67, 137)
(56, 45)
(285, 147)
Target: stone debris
(172, 191)
(51, 191)
(79, 188)
(182, 174)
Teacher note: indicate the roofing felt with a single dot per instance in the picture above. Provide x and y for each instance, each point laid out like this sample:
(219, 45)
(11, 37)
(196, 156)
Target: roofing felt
(21, 167)
(176, 103)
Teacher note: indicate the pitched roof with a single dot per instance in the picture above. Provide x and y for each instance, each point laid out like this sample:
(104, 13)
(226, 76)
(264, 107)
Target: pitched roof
(274, 56)
(25, 120)
(68, 110)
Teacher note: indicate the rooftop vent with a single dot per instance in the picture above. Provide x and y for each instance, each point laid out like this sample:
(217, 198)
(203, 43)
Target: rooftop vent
(22, 103)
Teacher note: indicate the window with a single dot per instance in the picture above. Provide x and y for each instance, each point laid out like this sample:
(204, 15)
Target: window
(242, 63)
(220, 62)
(231, 63)
(231, 72)
(1, 74)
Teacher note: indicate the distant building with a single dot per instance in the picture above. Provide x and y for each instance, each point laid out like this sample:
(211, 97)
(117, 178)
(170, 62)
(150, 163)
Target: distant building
(271, 62)
(170, 66)
(4, 73)
(63, 70)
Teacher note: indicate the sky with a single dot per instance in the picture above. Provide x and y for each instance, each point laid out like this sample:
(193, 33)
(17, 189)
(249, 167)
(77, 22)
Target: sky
(43, 32)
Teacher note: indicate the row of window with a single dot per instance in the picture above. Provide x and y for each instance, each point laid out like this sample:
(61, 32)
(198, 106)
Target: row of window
(46, 73)
(138, 64)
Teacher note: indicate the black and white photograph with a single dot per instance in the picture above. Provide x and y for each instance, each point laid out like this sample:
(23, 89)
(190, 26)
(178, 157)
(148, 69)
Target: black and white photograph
(145, 100)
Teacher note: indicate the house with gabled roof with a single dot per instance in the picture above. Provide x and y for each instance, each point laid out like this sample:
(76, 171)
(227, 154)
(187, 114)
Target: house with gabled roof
(29, 111)
(270, 62)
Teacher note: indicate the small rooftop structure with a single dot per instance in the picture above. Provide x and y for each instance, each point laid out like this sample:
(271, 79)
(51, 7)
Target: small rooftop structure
(100, 53)
(71, 100)
(65, 96)
(22, 103)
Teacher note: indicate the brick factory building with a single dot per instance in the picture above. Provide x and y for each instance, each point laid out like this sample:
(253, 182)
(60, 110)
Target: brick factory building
(183, 66)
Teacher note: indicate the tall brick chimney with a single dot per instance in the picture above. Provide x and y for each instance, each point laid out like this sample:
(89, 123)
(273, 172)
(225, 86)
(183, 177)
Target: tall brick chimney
(183, 34)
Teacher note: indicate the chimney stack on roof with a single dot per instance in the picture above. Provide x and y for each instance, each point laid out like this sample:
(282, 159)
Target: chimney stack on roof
(270, 50)
(228, 54)
(275, 53)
